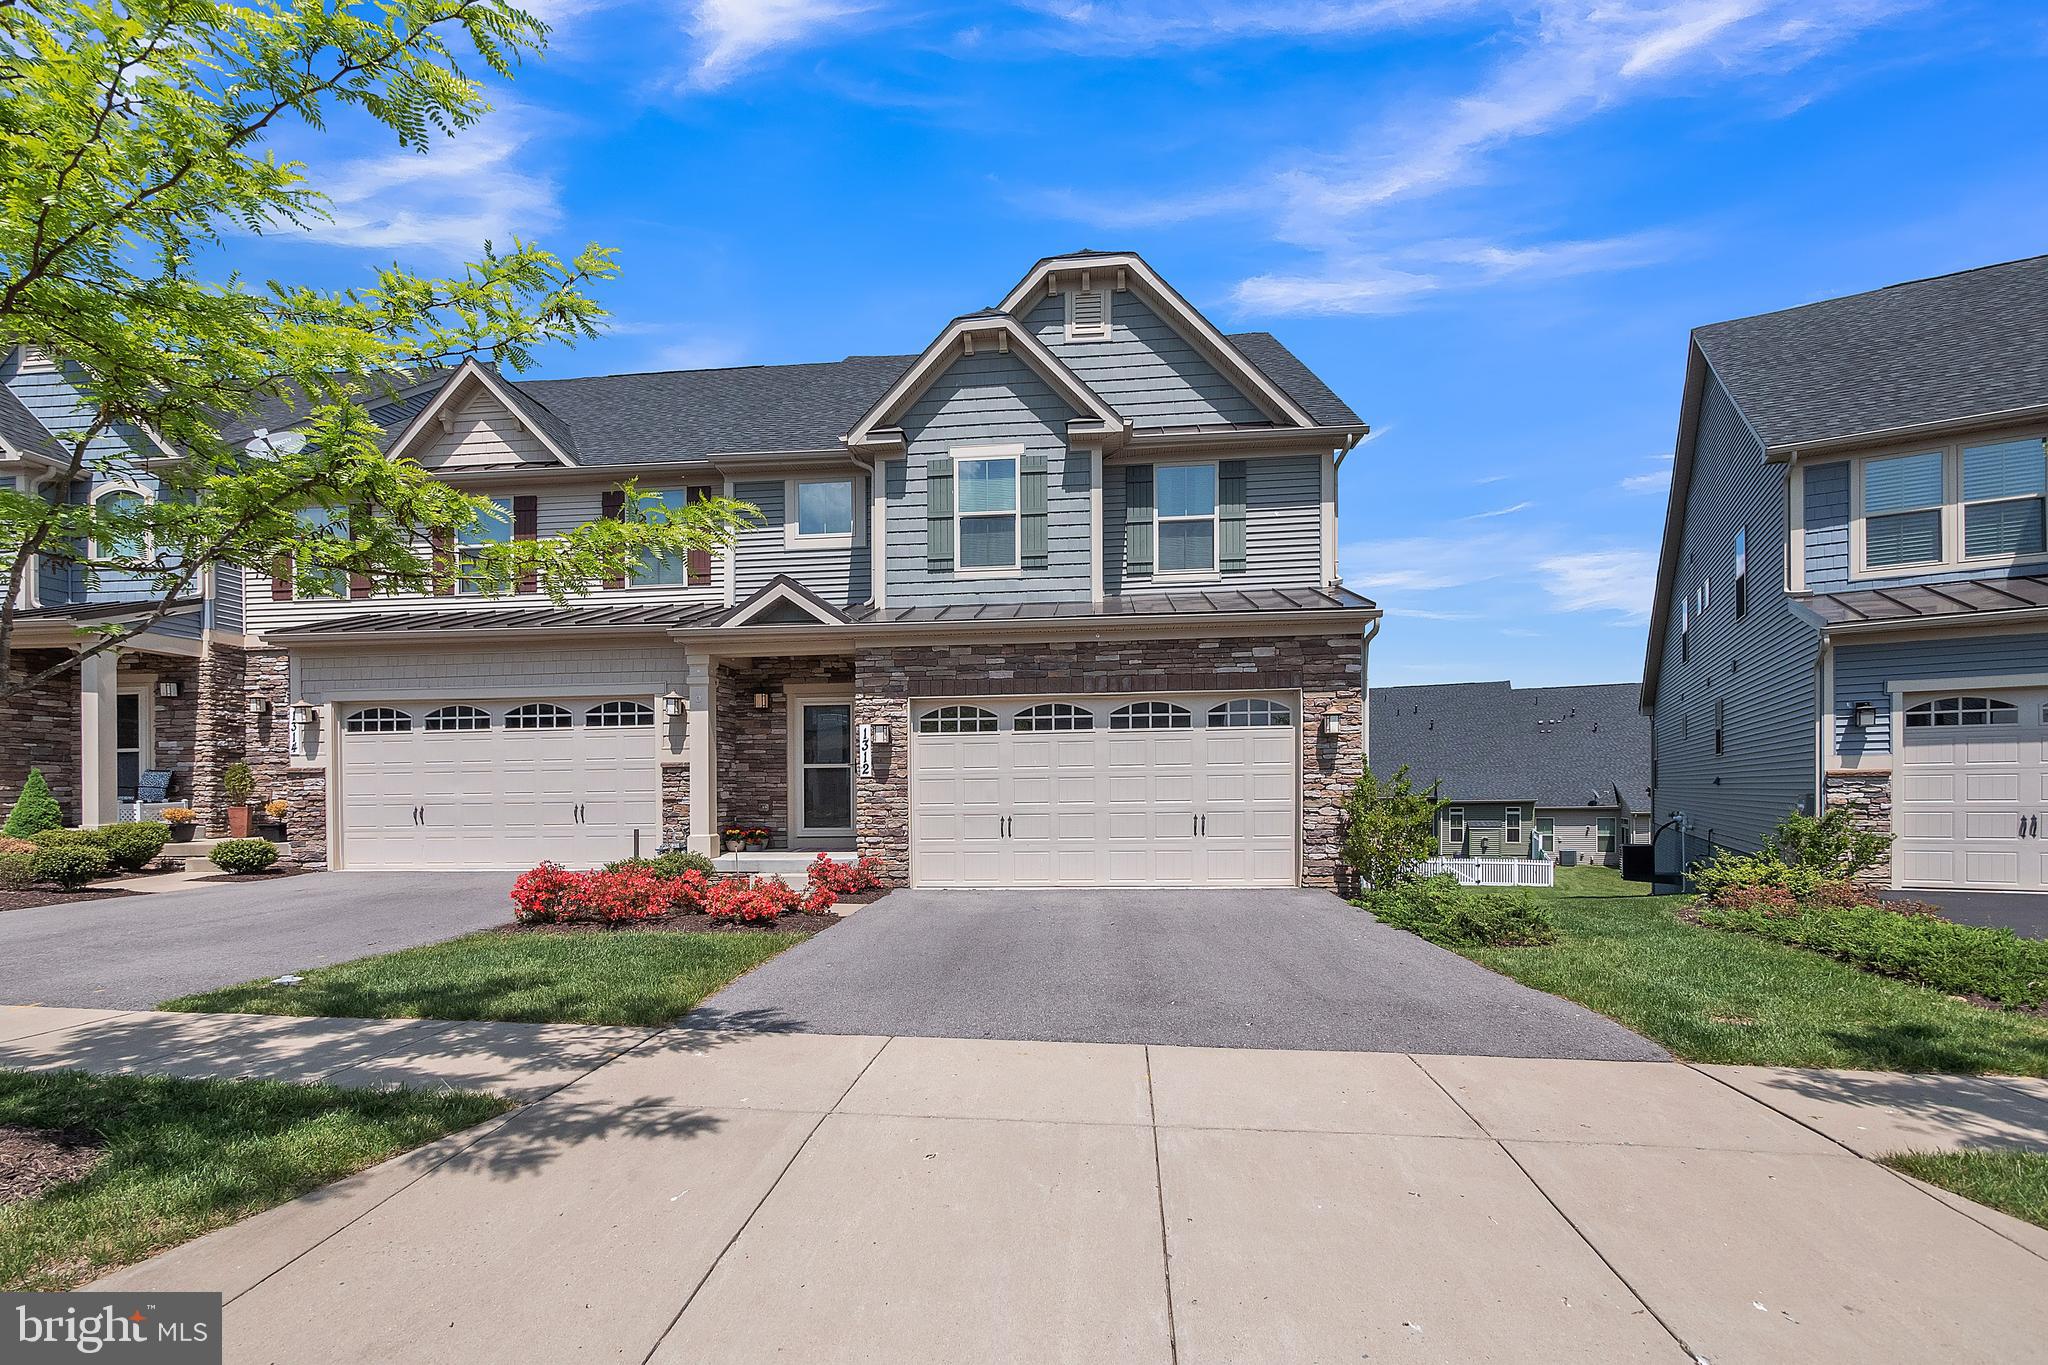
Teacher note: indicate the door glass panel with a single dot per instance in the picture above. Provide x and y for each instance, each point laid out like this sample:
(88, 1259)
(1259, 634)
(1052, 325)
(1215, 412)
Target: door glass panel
(826, 734)
(828, 798)
(128, 722)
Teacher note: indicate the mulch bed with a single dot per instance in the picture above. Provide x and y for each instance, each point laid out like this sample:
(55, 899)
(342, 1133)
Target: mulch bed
(268, 874)
(687, 924)
(24, 900)
(33, 1161)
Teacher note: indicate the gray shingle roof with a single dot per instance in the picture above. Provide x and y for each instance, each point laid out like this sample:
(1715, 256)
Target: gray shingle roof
(1919, 602)
(1492, 741)
(20, 429)
(1295, 379)
(1206, 602)
(654, 616)
(1942, 349)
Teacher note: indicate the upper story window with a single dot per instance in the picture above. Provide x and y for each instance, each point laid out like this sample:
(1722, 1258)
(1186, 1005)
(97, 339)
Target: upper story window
(120, 547)
(492, 528)
(1087, 314)
(1972, 503)
(1684, 629)
(1186, 499)
(985, 511)
(332, 525)
(1741, 571)
(658, 571)
(821, 512)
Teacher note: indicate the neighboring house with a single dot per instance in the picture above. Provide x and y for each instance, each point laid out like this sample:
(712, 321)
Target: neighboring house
(1568, 765)
(1852, 603)
(1053, 601)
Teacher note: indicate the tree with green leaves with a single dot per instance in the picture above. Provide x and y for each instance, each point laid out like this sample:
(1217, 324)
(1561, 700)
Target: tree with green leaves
(1389, 827)
(35, 810)
(134, 136)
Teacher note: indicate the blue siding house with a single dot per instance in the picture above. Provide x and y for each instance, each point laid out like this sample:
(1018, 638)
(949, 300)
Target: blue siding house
(1852, 598)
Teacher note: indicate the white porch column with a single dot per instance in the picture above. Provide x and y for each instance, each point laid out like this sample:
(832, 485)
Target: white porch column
(700, 745)
(98, 775)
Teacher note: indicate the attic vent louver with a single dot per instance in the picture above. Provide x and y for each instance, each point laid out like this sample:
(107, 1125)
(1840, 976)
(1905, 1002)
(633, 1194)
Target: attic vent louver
(1087, 313)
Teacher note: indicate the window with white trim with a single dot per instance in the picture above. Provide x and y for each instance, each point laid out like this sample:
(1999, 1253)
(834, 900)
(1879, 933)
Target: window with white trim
(329, 525)
(1249, 711)
(459, 717)
(1454, 831)
(1152, 715)
(537, 715)
(662, 571)
(1605, 827)
(1184, 497)
(618, 715)
(494, 527)
(821, 512)
(957, 720)
(985, 511)
(1053, 715)
(1902, 510)
(129, 547)
(2005, 498)
(1946, 711)
(377, 720)
(1741, 571)
(1959, 506)
(1514, 822)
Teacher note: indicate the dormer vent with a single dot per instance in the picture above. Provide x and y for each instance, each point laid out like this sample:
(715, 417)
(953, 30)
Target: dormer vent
(1087, 313)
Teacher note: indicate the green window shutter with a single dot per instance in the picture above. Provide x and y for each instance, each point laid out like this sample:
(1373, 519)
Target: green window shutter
(1138, 521)
(1230, 516)
(1031, 509)
(938, 505)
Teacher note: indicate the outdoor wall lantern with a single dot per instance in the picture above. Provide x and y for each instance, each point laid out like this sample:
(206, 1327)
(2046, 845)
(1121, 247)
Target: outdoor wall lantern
(1331, 724)
(671, 704)
(760, 701)
(302, 714)
(879, 736)
(258, 708)
(167, 689)
(1863, 715)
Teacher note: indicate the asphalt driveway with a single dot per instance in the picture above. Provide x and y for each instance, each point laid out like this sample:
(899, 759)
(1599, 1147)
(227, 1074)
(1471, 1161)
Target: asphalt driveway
(1262, 969)
(2023, 912)
(135, 951)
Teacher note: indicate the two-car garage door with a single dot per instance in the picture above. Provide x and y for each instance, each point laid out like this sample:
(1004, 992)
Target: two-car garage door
(1181, 790)
(1971, 789)
(497, 784)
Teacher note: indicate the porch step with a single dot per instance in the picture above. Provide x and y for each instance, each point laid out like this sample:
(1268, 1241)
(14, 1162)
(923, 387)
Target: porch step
(785, 865)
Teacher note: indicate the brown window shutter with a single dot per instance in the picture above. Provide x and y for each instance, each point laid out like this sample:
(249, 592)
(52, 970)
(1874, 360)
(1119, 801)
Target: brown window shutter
(281, 579)
(443, 562)
(526, 526)
(700, 560)
(359, 585)
(614, 509)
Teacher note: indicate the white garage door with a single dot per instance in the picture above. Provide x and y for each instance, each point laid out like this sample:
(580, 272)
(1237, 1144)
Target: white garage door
(1105, 791)
(497, 784)
(1971, 787)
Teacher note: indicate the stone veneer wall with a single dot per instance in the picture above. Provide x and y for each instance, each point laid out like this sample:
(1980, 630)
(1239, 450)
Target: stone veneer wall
(221, 731)
(266, 678)
(753, 746)
(1867, 796)
(173, 720)
(1329, 671)
(40, 730)
(675, 806)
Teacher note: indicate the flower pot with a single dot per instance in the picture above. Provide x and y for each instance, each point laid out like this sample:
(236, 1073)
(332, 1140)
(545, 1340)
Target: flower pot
(733, 845)
(756, 845)
(183, 833)
(272, 830)
(239, 820)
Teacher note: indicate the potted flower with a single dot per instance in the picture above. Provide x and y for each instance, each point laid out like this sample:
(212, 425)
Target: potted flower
(184, 823)
(273, 821)
(240, 785)
(757, 838)
(735, 838)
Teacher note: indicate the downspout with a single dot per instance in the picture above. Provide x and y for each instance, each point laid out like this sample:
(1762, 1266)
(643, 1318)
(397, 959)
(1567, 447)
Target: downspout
(876, 588)
(1365, 690)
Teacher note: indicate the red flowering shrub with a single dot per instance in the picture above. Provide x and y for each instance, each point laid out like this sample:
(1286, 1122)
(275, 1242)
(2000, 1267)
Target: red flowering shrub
(688, 892)
(846, 879)
(541, 896)
(818, 900)
(738, 900)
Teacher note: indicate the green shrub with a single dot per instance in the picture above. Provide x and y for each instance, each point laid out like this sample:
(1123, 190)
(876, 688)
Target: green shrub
(68, 865)
(67, 838)
(242, 856)
(17, 871)
(1445, 913)
(133, 847)
(1829, 844)
(677, 863)
(35, 810)
(1728, 872)
(1959, 959)
(237, 783)
(1389, 827)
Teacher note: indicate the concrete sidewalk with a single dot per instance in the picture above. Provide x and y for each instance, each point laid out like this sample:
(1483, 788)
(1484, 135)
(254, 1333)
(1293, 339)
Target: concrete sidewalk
(759, 1196)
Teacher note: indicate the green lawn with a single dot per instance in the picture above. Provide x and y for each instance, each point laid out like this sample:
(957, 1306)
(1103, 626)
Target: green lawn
(185, 1157)
(640, 977)
(1712, 996)
(2011, 1182)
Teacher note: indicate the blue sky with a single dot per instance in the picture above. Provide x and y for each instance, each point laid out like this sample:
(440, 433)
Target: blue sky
(1488, 225)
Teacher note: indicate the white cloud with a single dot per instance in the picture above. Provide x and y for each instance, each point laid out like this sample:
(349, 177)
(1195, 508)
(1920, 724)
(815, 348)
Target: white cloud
(732, 34)
(1501, 511)
(475, 186)
(1537, 568)
(1655, 480)
(1601, 580)
(1393, 280)
(1161, 23)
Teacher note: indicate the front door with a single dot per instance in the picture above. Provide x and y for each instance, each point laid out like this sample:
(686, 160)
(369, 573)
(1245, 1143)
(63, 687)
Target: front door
(131, 742)
(823, 770)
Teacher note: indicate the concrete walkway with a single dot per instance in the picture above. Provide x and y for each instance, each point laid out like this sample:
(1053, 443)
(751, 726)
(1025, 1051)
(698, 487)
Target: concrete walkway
(694, 1195)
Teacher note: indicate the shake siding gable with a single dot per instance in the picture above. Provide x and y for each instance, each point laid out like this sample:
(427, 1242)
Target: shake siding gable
(1144, 369)
(1827, 526)
(484, 433)
(1865, 672)
(988, 398)
(1760, 665)
(839, 576)
(1283, 529)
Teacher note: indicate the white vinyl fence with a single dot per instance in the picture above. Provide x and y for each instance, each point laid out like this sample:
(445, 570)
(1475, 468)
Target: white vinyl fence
(1494, 871)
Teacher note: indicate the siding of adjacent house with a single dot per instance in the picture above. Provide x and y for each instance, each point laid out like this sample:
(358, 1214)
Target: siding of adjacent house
(1283, 529)
(839, 576)
(1865, 672)
(989, 398)
(1485, 831)
(1144, 369)
(1578, 828)
(1827, 526)
(1760, 666)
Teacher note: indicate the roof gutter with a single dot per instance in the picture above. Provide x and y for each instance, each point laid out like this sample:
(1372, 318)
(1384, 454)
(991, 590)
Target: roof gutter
(1346, 437)
(305, 638)
(1039, 627)
(1793, 450)
(2022, 615)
